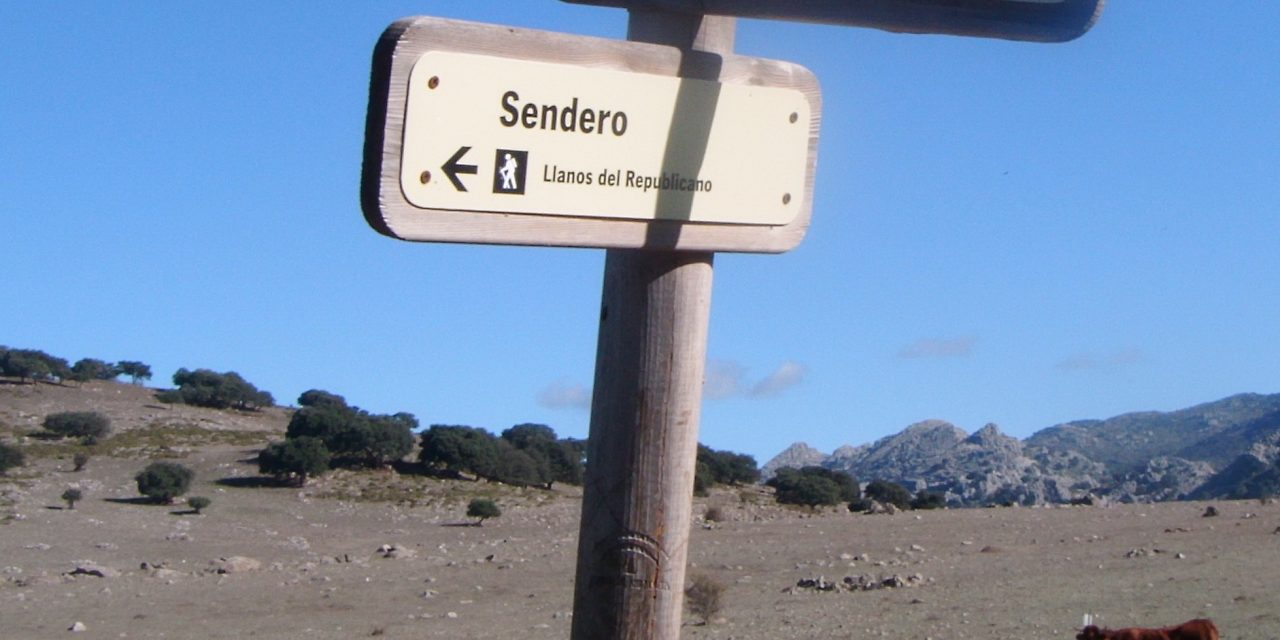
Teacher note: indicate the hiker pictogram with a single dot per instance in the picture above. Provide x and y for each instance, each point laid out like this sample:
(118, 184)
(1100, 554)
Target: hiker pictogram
(509, 171)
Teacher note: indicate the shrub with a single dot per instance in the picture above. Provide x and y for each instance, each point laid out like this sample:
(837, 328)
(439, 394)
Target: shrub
(704, 597)
(10, 457)
(205, 388)
(198, 503)
(90, 426)
(889, 493)
(164, 481)
(929, 500)
(134, 369)
(71, 497)
(555, 460)
(482, 508)
(352, 435)
(80, 459)
(861, 505)
(294, 460)
(86, 369)
(813, 486)
(460, 448)
(727, 467)
(713, 514)
(702, 479)
(31, 364)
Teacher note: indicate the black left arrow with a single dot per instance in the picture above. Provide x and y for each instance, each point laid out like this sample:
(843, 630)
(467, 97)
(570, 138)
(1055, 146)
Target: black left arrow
(452, 168)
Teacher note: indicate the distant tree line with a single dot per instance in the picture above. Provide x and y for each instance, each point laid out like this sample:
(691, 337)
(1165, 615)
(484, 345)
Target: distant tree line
(814, 486)
(38, 366)
(723, 468)
(213, 390)
(327, 432)
(524, 455)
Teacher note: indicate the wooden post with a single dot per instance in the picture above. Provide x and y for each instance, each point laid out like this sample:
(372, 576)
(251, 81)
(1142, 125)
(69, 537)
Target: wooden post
(642, 448)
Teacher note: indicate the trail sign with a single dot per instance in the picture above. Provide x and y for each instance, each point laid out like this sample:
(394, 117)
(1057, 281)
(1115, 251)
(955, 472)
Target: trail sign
(487, 134)
(1036, 20)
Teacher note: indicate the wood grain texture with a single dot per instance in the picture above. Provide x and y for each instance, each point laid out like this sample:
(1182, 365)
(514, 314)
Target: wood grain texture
(386, 209)
(642, 448)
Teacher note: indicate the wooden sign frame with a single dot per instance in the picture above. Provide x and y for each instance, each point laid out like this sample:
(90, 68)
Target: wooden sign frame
(388, 211)
(1029, 20)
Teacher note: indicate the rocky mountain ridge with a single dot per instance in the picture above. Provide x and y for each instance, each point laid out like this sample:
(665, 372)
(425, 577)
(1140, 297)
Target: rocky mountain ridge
(1229, 448)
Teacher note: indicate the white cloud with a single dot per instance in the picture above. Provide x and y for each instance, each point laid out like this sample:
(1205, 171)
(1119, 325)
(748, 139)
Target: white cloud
(787, 375)
(723, 379)
(1091, 362)
(563, 395)
(934, 348)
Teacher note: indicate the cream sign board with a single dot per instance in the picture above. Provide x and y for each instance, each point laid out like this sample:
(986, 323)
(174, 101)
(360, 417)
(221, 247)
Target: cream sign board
(488, 134)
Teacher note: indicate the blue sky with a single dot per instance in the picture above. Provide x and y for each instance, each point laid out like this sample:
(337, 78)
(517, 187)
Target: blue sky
(1003, 232)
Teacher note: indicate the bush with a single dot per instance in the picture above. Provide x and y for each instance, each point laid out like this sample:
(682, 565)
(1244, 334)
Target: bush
(352, 435)
(164, 481)
(704, 597)
(813, 486)
(460, 448)
(198, 503)
(294, 460)
(86, 369)
(727, 467)
(80, 459)
(205, 388)
(556, 460)
(928, 500)
(71, 497)
(10, 457)
(482, 508)
(713, 514)
(91, 426)
(134, 369)
(31, 364)
(889, 493)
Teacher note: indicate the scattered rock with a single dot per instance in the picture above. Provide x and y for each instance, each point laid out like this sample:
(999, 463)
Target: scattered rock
(78, 627)
(857, 583)
(93, 569)
(236, 564)
(396, 552)
(1209, 512)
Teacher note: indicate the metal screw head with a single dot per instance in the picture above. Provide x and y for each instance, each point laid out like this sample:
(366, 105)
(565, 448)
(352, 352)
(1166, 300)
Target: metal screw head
(786, 198)
(794, 117)
(424, 177)
(433, 82)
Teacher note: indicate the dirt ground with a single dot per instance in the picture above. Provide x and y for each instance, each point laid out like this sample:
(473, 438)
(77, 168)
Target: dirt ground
(977, 573)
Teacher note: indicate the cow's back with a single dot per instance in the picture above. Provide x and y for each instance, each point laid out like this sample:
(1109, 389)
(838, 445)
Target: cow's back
(1198, 629)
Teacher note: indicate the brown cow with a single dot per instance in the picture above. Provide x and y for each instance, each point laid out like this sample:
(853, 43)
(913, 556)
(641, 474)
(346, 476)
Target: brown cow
(1198, 629)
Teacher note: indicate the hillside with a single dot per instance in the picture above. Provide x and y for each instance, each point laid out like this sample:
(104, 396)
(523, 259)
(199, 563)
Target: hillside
(129, 406)
(1214, 432)
(380, 553)
(1226, 448)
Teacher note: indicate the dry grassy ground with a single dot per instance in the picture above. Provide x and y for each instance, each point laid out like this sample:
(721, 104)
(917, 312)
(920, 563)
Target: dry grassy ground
(983, 573)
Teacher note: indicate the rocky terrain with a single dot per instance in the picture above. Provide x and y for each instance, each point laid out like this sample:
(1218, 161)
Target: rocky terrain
(383, 554)
(1224, 449)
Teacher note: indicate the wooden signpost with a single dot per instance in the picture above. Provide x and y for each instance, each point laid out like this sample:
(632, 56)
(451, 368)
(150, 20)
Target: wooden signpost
(486, 134)
(663, 150)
